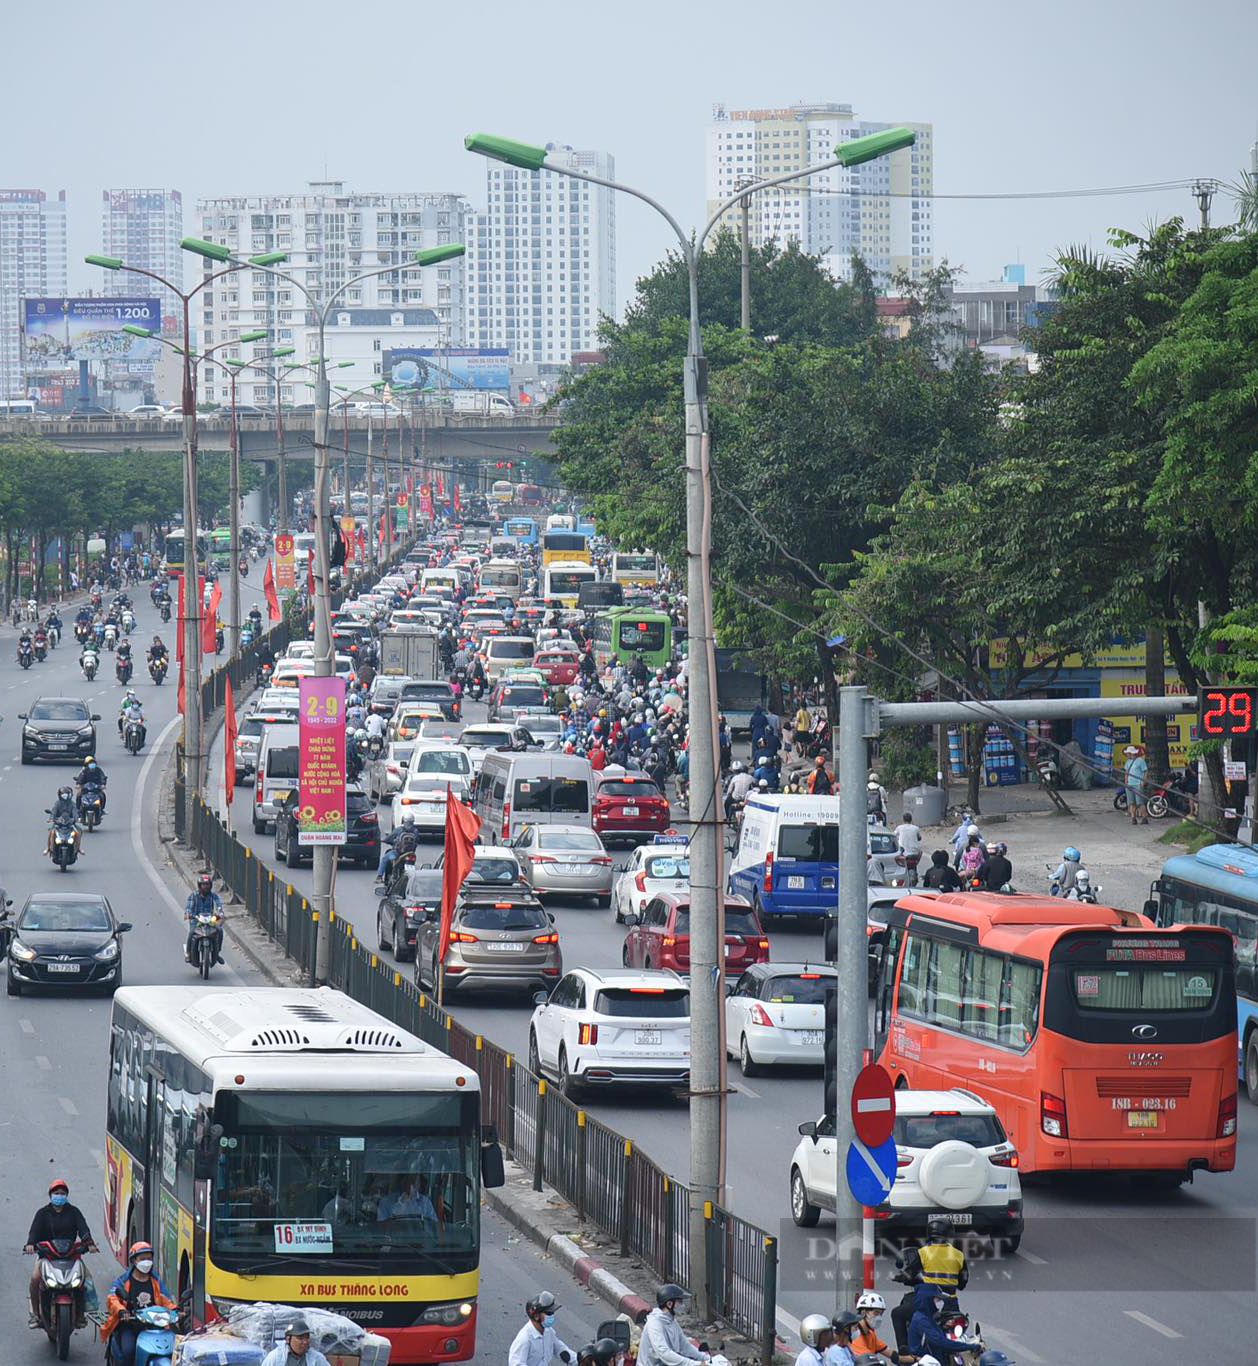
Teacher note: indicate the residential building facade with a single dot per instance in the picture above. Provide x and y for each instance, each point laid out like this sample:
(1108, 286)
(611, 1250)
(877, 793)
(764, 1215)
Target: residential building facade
(880, 211)
(32, 265)
(144, 229)
(331, 236)
(541, 261)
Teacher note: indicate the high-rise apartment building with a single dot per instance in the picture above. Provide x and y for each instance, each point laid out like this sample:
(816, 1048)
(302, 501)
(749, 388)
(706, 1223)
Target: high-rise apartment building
(331, 237)
(144, 229)
(32, 265)
(541, 262)
(880, 211)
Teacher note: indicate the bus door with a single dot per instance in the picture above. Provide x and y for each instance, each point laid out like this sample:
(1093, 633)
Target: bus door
(151, 1221)
(884, 984)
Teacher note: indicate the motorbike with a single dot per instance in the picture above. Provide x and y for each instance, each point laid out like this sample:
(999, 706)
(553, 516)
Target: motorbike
(32, 610)
(25, 654)
(218, 641)
(89, 662)
(157, 669)
(111, 635)
(243, 566)
(165, 609)
(7, 927)
(205, 926)
(1160, 799)
(63, 1283)
(128, 621)
(82, 629)
(264, 674)
(65, 842)
(246, 636)
(41, 647)
(123, 668)
(133, 736)
(155, 1344)
(91, 805)
(54, 635)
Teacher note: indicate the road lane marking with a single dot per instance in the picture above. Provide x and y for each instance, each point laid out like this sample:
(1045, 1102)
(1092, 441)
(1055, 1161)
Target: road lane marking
(72, 1110)
(1152, 1323)
(1030, 1257)
(1017, 1348)
(45, 1064)
(742, 1086)
(26, 1027)
(137, 844)
(788, 1321)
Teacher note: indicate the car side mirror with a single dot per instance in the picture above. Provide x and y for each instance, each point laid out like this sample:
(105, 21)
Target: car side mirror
(21, 716)
(809, 1129)
(96, 716)
(633, 918)
(550, 915)
(381, 891)
(540, 998)
(124, 927)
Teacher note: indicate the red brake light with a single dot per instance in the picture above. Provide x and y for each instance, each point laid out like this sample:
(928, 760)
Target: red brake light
(760, 1016)
(543, 858)
(764, 944)
(602, 862)
(1009, 1159)
(647, 991)
(506, 820)
(588, 1034)
(459, 937)
(768, 871)
(640, 882)
(1227, 1117)
(936, 1113)
(1053, 1116)
(546, 939)
(670, 940)
(810, 977)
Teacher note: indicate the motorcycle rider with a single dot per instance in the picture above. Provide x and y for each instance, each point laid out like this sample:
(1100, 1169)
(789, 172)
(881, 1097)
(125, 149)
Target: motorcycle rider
(295, 1350)
(842, 1326)
(123, 663)
(925, 1334)
(63, 809)
(402, 841)
(537, 1343)
(908, 838)
(664, 1343)
(941, 875)
(937, 1263)
(205, 900)
(815, 1334)
(157, 651)
(24, 644)
(130, 704)
(91, 775)
(995, 872)
(820, 782)
(870, 1307)
(137, 1288)
(1064, 875)
(875, 801)
(604, 1352)
(56, 1220)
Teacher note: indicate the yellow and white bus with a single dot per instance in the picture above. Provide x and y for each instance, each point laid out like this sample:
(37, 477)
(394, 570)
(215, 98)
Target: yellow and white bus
(261, 1139)
(562, 580)
(637, 566)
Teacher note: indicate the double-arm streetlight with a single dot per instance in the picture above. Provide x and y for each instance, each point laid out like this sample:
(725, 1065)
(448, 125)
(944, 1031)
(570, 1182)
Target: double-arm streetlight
(321, 896)
(707, 901)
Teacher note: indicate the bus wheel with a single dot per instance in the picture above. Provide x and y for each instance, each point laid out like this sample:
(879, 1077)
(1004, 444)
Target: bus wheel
(1251, 1067)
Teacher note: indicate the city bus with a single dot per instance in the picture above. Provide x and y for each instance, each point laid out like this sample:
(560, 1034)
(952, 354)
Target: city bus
(252, 1135)
(1104, 1043)
(221, 546)
(565, 545)
(562, 580)
(625, 633)
(1218, 885)
(636, 567)
(521, 529)
(501, 491)
(174, 551)
(600, 595)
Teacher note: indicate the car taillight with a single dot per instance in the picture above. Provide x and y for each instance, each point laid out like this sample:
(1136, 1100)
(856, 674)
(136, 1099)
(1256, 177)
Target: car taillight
(1009, 1159)
(764, 944)
(760, 1016)
(368, 817)
(1227, 1117)
(588, 1033)
(601, 862)
(461, 937)
(543, 858)
(768, 871)
(640, 882)
(1053, 1116)
(506, 820)
(903, 1159)
(546, 939)
(899, 860)
(669, 940)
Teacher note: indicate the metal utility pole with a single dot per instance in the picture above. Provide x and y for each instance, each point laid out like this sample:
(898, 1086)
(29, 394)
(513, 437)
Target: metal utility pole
(191, 594)
(234, 525)
(323, 854)
(744, 217)
(1204, 191)
(281, 519)
(371, 500)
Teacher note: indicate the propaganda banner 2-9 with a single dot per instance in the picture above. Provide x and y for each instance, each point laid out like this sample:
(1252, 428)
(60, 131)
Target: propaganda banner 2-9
(321, 761)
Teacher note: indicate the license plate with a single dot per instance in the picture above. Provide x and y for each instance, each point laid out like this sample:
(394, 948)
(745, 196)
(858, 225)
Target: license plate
(58, 746)
(646, 1036)
(810, 1038)
(575, 869)
(62, 967)
(629, 811)
(794, 882)
(1142, 1119)
(505, 948)
(960, 1218)
(278, 796)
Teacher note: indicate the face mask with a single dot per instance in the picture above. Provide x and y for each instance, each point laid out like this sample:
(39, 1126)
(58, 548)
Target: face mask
(548, 1320)
(874, 1320)
(59, 1200)
(939, 1304)
(144, 1265)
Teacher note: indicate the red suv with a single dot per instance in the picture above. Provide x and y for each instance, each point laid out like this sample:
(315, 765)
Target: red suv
(559, 667)
(628, 805)
(660, 936)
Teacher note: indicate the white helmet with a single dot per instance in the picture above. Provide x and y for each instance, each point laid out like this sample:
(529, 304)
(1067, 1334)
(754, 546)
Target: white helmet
(873, 778)
(870, 1299)
(812, 1328)
(971, 831)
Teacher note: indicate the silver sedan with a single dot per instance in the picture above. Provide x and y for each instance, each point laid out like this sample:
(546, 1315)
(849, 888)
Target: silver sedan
(565, 860)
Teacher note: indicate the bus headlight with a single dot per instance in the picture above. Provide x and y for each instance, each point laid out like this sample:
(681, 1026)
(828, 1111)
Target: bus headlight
(449, 1314)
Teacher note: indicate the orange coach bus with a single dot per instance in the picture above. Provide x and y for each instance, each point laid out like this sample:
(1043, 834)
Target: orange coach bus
(1104, 1043)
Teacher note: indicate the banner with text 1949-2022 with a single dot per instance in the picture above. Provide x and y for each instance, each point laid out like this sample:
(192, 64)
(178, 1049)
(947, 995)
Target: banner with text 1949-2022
(321, 768)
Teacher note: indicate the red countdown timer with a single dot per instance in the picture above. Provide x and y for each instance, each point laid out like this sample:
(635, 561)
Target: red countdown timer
(1226, 713)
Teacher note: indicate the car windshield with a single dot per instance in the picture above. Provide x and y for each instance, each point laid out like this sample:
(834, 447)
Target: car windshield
(400, 754)
(511, 649)
(585, 841)
(628, 787)
(642, 1003)
(58, 711)
(488, 916)
(882, 843)
(64, 915)
(503, 870)
(541, 725)
(424, 884)
(927, 1131)
(522, 695)
(799, 988)
(442, 761)
(809, 843)
(427, 692)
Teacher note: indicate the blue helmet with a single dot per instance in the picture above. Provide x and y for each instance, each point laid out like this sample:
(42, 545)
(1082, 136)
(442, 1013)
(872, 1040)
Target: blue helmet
(1071, 855)
(994, 1358)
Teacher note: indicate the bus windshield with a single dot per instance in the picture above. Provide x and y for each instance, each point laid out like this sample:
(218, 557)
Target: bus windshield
(563, 541)
(636, 564)
(389, 1177)
(567, 583)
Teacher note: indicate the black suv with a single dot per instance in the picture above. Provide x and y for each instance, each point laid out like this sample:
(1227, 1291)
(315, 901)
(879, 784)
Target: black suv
(433, 692)
(58, 728)
(413, 894)
(362, 830)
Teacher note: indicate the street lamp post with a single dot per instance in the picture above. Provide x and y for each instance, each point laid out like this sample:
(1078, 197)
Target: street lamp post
(707, 902)
(321, 894)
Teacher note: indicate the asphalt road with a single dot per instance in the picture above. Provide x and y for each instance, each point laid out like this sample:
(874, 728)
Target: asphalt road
(1101, 1261)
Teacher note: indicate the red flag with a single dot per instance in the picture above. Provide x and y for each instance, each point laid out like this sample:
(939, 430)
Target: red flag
(209, 622)
(229, 740)
(462, 823)
(458, 502)
(181, 692)
(362, 542)
(310, 573)
(272, 597)
(180, 625)
(381, 537)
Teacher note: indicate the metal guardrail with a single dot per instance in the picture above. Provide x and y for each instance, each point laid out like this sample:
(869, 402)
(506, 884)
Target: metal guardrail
(610, 1183)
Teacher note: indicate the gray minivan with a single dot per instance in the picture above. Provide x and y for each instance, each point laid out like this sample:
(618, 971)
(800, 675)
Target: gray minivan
(534, 788)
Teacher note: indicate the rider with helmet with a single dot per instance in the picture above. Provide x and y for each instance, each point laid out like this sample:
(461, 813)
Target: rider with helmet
(55, 1220)
(62, 810)
(91, 775)
(295, 1350)
(926, 1334)
(131, 710)
(815, 1334)
(537, 1343)
(664, 1343)
(137, 1288)
(601, 1353)
(205, 900)
(870, 1307)
(995, 872)
(1067, 871)
(938, 1263)
(842, 1326)
(397, 844)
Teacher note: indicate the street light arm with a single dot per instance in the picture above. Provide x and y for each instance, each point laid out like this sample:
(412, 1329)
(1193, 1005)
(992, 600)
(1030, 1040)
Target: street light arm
(756, 186)
(682, 239)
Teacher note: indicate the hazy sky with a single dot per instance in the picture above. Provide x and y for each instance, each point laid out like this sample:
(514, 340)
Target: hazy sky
(229, 98)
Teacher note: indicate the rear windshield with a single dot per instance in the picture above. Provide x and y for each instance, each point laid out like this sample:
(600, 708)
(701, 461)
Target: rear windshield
(511, 649)
(927, 1131)
(523, 695)
(442, 761)
(666, 866)
(486, 739)
(427, 692)
(1144, 988)
(504, 870)
(882, 844)
(641, 635)
(552, 794)
(799, 988)
(584, 841)
(487, 916)
(251, 728)
(281, 762)
(809, 843)
(738, 920)
(621, 787)
(630, 1003)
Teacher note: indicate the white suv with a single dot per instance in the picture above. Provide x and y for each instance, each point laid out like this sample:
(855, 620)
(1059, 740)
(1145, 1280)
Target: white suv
(953, 1159)
(612, 1027)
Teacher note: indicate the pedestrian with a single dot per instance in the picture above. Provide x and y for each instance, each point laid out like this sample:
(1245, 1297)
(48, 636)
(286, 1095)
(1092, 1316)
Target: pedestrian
(1137, 770)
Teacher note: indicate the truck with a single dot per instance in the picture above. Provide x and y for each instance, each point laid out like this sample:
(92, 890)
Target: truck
(740, 689)
(409, 652)
(480, 401)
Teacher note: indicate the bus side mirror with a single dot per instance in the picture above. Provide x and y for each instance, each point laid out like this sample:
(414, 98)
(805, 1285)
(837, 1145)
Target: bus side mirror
(1151, 910)
(205, 1155)
(492, 1171)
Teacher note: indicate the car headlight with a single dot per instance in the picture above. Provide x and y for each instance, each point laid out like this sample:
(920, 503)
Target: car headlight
(106, 952)
(29, 732)
(85, 732)
(22, 952)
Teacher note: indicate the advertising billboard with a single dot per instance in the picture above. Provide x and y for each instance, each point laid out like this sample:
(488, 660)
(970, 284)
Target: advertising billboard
(454, 367)
(321, 761)
(62, 331)
(285, 562)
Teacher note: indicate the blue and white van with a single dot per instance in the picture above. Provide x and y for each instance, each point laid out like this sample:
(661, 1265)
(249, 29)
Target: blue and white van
(787, 862)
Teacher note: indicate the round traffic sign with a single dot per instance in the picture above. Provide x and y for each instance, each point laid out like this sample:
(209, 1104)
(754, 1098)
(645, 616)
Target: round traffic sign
(873, 1105)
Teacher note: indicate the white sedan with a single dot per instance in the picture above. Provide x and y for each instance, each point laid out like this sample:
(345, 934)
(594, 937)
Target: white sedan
(652, 869)
(775, 1015)
(423, 796)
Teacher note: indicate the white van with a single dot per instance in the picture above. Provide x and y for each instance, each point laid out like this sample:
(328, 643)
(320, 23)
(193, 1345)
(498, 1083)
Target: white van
(277, 773)
(502, 577)
(561, 521)
(444, 582)
(787, 861)
(514, 790)
(507, 652)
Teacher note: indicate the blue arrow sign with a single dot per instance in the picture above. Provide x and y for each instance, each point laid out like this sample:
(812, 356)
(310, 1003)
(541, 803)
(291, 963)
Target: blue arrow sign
(871, 1171)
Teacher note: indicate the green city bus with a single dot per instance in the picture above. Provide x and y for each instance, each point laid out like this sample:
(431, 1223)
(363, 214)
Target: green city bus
(627, 632)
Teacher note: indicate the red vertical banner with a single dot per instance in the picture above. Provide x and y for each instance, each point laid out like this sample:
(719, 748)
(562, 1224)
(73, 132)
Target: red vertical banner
(425, 501)
(458, 501)
(229, 743)
(285, 563)
(348, 525)
(310, 573)
(321, 761)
